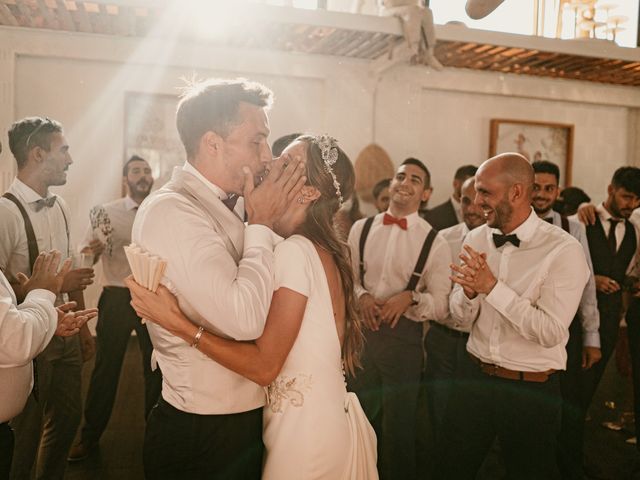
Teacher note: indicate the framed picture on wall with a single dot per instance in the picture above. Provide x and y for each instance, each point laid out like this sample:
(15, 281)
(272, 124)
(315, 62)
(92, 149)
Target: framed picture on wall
(150, 132)
(536, 141)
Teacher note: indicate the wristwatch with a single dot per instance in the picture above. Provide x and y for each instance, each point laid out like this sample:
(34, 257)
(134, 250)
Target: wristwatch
(415, 298)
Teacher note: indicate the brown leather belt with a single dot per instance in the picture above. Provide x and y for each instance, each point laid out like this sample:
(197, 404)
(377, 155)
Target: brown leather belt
(501, 372)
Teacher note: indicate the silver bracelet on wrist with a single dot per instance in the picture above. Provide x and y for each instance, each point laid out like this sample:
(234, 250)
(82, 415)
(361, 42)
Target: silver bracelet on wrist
(196, 339)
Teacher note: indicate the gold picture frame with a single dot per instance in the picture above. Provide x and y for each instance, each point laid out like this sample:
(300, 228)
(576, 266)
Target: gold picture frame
(536, 141)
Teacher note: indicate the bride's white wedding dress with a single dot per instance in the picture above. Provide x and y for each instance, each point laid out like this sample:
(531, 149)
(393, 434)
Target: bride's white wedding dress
(314, 428)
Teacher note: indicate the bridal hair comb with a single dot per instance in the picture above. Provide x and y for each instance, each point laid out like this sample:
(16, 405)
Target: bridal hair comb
(329, 150)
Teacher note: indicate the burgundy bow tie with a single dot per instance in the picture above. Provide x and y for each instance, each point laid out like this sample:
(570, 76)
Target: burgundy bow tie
(391, 220)
(230, 201)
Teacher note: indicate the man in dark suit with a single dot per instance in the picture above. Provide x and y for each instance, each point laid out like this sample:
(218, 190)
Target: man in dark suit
(448, 214)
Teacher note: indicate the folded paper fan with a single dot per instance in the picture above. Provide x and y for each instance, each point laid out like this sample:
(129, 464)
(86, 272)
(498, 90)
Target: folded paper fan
(147, 269)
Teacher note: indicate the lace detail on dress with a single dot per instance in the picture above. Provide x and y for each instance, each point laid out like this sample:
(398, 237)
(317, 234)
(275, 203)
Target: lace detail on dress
(285, 388)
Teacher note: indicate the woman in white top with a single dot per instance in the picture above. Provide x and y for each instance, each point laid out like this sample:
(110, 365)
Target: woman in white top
(313, 428)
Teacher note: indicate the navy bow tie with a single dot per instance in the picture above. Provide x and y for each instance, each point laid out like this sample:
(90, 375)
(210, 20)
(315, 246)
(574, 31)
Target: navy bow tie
(45, 202)
(230, 201)
(500, 240)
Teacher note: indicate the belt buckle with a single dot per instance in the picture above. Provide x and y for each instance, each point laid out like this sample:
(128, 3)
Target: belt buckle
(490, 369)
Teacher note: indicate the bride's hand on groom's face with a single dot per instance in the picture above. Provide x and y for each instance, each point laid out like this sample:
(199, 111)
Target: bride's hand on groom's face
(268, 201)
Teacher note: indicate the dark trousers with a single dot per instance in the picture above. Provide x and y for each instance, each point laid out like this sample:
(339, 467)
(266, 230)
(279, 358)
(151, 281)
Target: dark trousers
(6, 450)
(387, 388)
(633, 332)
(525, 416)
(609, 327)
(180, 445)
(45, 429)
(116, 321)
(571, 438)
(446, 350)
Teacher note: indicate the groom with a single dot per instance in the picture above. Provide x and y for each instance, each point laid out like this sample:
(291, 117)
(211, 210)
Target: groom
(208, 421)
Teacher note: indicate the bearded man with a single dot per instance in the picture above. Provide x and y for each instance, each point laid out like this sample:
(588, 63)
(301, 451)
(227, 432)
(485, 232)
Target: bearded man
(108, 234)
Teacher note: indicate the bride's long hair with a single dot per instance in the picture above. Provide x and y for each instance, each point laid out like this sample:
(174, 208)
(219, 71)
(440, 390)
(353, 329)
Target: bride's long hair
(318, 227)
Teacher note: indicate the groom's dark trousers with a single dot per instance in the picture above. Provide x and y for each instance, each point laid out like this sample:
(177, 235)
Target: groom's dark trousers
(180, 445)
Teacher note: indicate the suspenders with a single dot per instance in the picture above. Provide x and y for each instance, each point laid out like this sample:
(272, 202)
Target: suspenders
(363, 238)
(422, 259)
(32, 243)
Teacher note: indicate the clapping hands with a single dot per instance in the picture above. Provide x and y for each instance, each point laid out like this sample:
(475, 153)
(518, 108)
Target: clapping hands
(45, 274)
(70, 322)
(473, 274)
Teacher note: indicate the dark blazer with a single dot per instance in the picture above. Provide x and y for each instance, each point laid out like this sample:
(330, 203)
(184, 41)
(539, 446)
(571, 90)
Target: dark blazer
(441, 217)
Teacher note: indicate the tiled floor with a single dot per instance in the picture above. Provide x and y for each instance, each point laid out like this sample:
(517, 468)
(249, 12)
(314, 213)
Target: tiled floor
(119, 457)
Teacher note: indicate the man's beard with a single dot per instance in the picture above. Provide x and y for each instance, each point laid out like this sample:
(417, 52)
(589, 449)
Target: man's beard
(617, 212)
(542, 211)
(502, 213)
(136, 187)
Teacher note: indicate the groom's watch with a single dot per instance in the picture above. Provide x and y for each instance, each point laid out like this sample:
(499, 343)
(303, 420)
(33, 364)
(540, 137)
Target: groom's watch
(415, 298)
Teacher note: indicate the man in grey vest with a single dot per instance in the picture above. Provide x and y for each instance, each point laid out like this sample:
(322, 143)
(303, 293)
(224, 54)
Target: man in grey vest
(583, 346)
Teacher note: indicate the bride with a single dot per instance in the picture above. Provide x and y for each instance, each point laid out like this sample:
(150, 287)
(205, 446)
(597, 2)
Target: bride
(313, 428)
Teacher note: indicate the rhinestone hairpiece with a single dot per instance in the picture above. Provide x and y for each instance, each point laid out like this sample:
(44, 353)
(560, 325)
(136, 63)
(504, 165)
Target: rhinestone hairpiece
(329, 150)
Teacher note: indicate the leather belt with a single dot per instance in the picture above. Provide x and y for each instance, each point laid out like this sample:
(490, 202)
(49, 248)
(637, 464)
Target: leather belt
(501, 372)
(449, 331)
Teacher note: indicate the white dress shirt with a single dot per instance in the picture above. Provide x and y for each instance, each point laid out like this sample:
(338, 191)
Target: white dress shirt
(390, 254)
(111, 223)
(25, 331)
(588, 309)
(455, 237)
(523, 323)
(49, 227)
(457, 208)
(226, 298)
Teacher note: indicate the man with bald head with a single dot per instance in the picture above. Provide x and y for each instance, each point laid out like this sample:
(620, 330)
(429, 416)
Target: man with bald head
(518, 288)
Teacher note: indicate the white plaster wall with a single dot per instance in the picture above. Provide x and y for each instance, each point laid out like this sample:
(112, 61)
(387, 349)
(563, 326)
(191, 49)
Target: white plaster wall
(448, 128)
(88, 98)
(410, 111)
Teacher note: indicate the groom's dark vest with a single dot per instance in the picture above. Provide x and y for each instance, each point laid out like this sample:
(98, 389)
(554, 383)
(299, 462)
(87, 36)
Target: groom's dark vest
(406, 330)
(606, 263)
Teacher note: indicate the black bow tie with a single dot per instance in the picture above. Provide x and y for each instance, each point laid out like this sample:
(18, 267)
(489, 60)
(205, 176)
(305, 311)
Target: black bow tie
(500, 240)
(45, 202)
(230, 201)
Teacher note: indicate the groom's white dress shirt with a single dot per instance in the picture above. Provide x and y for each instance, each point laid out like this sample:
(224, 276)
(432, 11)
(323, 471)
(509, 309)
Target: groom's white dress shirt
(202, 242)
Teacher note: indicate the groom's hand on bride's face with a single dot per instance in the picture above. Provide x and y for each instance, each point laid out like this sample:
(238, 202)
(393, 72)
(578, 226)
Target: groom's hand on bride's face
(268, 201)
